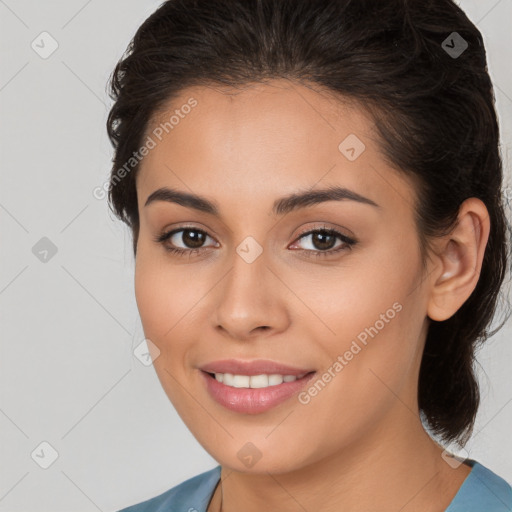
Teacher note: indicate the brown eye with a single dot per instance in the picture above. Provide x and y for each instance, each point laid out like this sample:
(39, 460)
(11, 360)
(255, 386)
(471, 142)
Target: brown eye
(190, 239)
(322, 241)
(193, 239)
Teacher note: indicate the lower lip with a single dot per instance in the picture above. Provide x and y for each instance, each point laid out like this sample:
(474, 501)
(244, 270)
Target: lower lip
(253, 401)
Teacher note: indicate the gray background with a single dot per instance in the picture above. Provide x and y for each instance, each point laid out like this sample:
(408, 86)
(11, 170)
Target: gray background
(69, 324)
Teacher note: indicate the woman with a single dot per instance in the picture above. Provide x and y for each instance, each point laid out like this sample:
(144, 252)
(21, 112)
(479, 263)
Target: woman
(314, 193)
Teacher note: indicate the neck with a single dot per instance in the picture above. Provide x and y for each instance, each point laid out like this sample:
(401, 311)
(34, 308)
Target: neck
(389, 469)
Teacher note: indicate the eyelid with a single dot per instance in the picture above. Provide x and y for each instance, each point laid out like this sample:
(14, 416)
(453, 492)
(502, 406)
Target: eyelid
(325, 227)
(167, 234)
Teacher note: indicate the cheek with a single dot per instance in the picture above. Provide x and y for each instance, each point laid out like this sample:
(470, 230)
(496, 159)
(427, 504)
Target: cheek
(375, 318)
(369, 371)
(150, 297)
(363, 297)
(163, 294)
(162, 302)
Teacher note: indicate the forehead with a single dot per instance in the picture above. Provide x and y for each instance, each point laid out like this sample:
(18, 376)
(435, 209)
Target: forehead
(262, 109)
(262, 139)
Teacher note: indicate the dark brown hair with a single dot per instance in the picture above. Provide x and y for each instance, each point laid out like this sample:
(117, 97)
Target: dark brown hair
(433, 108)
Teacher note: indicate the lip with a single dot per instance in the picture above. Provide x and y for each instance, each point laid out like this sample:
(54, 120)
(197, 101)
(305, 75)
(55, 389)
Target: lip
(253, 401)
(254, 367)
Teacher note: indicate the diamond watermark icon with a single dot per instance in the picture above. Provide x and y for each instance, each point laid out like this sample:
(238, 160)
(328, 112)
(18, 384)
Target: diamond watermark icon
(249, 250)
(249, 454)
(44, 45)
(146, 352)
(44, 455)
(454, 45)
(455, 460)
(351, 147)
(44, 250)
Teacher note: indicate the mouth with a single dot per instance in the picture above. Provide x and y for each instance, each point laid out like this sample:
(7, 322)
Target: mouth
(254, 394)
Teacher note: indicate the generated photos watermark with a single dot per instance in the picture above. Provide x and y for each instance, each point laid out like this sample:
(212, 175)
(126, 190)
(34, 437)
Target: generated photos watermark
(355, 348)
(150, 143)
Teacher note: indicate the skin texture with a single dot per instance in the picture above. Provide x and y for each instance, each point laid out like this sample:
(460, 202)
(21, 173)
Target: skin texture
(358, 445)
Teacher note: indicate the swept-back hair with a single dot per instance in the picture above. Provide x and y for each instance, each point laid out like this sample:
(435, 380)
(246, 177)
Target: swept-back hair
(418, 67)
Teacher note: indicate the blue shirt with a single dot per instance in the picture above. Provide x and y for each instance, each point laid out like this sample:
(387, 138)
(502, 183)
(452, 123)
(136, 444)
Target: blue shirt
(481, 491)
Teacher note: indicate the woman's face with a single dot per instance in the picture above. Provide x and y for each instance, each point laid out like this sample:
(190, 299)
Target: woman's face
(252, 284)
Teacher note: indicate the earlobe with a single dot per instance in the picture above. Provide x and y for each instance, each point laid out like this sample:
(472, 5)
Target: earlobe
(459, 260)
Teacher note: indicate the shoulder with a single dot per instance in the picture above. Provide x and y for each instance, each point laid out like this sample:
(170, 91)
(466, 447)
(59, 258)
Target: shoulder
(192, 495)
(482, 490)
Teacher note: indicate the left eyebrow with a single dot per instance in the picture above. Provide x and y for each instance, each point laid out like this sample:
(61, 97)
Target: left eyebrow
(313, 197)
(282, 206)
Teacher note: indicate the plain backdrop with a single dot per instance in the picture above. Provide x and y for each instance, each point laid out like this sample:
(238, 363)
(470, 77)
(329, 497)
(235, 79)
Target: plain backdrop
(69, 324)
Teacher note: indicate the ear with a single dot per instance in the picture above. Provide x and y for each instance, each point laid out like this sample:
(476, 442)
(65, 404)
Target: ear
(458, 260)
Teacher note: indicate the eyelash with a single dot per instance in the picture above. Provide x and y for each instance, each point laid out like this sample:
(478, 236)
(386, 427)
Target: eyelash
(348, 242)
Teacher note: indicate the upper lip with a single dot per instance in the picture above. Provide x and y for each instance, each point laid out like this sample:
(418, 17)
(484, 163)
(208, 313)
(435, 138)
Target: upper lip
(254, 367)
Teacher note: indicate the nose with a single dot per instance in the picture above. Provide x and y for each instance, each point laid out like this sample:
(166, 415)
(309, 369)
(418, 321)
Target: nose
(251, 301)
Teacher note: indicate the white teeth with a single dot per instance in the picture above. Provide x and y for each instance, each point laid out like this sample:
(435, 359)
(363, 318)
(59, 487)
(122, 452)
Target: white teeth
(274, 379)
(228, 379)
(255, 381)
(241, 381)
(259, 381)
